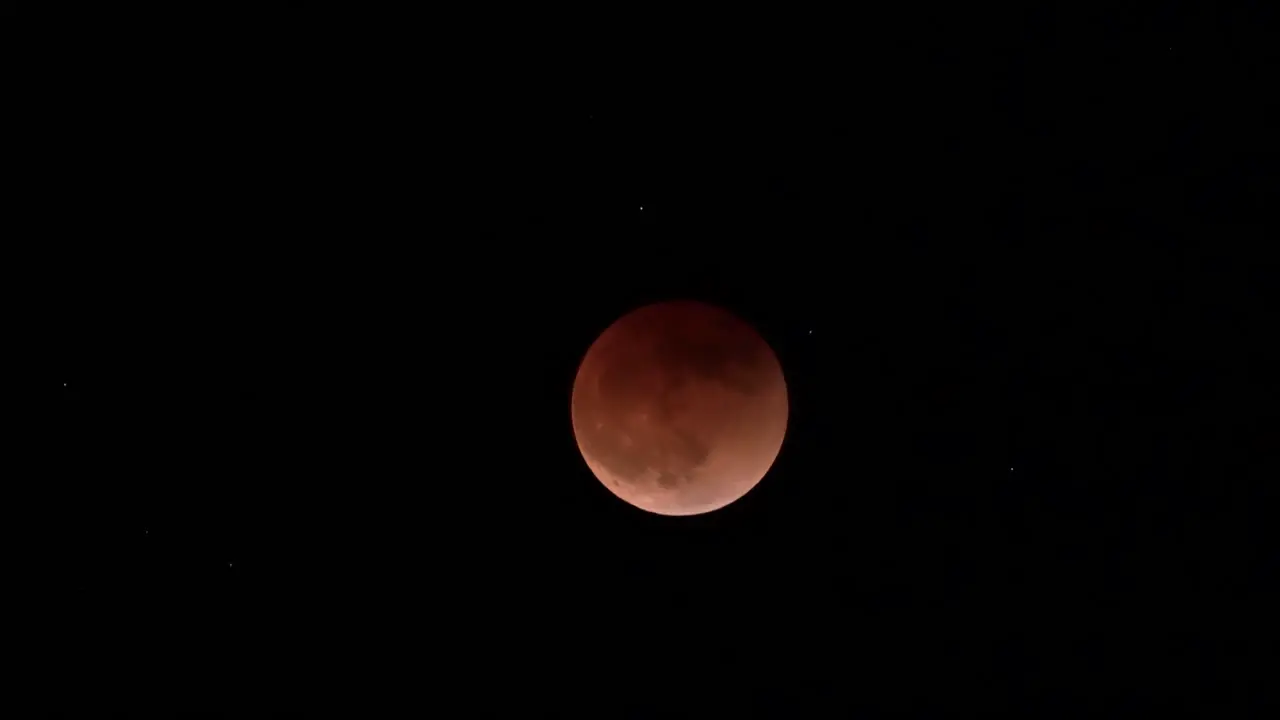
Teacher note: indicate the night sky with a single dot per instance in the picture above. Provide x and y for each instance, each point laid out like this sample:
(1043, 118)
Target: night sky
(321, 305)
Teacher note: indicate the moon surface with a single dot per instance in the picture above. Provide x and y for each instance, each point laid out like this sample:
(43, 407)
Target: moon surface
(679, 408)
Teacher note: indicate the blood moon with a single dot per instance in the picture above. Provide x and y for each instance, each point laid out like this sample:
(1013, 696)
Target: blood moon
(679, 408)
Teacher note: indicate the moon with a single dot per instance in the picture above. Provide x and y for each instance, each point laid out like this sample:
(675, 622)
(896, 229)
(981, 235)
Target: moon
(679, 408)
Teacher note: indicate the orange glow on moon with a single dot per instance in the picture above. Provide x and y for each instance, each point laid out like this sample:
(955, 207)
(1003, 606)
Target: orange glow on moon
(679, 408)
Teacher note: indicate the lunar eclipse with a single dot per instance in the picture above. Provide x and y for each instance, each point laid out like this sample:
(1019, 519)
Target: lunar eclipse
(679, 408)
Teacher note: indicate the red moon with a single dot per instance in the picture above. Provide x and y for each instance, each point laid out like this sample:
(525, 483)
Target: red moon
(679, 408)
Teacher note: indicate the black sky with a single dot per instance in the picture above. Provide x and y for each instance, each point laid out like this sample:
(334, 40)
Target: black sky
(323, 295)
